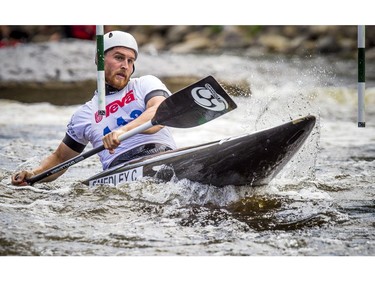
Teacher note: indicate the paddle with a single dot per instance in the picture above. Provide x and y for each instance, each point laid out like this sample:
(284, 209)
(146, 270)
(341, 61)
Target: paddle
(192, 106)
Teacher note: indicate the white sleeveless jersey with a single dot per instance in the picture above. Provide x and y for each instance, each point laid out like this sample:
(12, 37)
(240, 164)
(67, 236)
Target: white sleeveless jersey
(121, 108)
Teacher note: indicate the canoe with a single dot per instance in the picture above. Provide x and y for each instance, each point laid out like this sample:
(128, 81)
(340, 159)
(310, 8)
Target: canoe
(252, 159)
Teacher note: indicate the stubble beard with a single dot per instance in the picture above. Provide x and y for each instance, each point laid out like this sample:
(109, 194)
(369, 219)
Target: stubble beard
(116, 82)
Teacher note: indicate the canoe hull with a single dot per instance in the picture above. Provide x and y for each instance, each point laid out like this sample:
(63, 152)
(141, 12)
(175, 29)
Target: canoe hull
(252, 159)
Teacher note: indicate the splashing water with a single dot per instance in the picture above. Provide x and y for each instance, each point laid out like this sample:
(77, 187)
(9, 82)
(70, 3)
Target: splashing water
(321, 203)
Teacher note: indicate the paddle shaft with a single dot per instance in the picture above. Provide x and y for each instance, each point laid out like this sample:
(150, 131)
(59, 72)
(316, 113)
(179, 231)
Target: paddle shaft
(83, 156)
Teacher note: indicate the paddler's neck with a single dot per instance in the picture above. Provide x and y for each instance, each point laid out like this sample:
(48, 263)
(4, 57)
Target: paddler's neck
(109, 90)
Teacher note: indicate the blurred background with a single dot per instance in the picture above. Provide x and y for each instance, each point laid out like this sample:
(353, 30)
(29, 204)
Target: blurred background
(293, 39)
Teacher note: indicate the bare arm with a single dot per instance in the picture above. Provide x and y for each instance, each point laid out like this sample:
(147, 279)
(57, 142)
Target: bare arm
(61, 154)
(111, 140)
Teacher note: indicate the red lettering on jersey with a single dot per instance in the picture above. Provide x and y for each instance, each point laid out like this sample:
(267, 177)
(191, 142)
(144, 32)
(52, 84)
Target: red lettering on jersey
(115, 105)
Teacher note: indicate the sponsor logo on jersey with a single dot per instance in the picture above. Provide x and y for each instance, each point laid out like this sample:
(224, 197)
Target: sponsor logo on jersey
(115, 105)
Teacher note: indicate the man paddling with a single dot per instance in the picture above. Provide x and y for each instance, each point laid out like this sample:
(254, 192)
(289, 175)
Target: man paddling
(130, 102)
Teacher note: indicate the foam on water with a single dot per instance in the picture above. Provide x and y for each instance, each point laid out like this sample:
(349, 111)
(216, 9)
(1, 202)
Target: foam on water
(320, 204)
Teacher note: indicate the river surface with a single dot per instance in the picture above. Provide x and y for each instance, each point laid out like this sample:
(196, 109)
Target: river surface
(321, 204)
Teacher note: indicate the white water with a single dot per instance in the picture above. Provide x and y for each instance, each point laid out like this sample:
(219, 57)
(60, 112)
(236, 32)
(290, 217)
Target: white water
(321, 204)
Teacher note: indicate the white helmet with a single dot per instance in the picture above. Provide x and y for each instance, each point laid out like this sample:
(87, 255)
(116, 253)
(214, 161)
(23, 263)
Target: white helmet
(120, 39)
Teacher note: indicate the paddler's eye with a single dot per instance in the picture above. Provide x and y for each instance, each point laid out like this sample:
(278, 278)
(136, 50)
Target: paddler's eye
(120, 58)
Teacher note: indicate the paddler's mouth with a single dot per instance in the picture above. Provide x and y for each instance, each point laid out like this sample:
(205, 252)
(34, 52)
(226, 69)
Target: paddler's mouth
(121, 75)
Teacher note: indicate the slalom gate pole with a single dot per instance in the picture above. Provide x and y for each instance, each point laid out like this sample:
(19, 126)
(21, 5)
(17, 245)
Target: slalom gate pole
(100, 69)
(361, 76)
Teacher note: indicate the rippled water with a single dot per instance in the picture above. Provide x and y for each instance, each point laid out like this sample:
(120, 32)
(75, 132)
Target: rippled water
(321, 204)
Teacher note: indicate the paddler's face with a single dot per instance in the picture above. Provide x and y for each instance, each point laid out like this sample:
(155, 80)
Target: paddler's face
(119, 64)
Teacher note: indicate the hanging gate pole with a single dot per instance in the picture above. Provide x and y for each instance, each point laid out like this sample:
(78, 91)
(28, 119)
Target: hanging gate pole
(361, 76)
(100, 69)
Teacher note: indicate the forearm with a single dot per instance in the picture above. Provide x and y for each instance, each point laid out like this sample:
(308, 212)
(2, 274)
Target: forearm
(111, 140)
(47, 163)
(62, 153)
(146, 116)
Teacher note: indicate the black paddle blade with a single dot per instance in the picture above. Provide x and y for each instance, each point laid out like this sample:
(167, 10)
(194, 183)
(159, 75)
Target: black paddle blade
(194, 105)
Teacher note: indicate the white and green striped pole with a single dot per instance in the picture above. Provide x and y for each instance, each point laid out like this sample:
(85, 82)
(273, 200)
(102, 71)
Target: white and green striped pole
(100, 69)
(361, 76)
